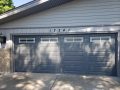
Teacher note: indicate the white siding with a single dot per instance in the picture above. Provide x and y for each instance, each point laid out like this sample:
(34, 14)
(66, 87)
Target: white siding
(77, 12)
(40, 31)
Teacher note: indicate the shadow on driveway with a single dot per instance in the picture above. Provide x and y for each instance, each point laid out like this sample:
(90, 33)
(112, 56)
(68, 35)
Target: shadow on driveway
(76, 82)
(28, 81)
(32, 81)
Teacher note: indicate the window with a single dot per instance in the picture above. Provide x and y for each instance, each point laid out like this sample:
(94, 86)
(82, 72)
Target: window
(49, 40)
(100, 39)
(106, 39)
(26, 40)
(68, 39)
(73, 39)
(53, 39)
(95, 39)
(44, 39)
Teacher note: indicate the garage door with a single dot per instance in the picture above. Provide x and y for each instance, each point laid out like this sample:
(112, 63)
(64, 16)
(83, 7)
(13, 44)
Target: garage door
(34, 53)
(89, 54)
(76, 54)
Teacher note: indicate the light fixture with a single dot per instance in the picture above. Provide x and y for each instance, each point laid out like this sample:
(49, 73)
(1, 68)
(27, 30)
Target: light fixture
(2, 39)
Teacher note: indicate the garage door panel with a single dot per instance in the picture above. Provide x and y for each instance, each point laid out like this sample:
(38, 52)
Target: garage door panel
(44, 69)
(100, 69)
(100, 73)
(77, 49)
(48, 44)
(73, 45)
(100, 64)
(76, 70)
(73, 58)
(74, 63)
(42, 64)
(22, 49)
(98, 55)
(77, 54)
(101, 59)
(99, 52)
(48, 50)
(72, 53)
(71, 50)
(22, 68)
(54, 45)
(48, 57)
(23, 57)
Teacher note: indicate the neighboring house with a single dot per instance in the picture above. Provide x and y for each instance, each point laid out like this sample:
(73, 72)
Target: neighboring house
(64, 36)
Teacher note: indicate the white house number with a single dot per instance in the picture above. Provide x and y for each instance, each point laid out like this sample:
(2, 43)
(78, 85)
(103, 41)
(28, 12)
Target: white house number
(58, 30)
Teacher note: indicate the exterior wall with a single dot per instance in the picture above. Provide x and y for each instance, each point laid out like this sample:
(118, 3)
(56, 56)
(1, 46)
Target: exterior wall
(77, 12)
(9, 32)
(41, 31)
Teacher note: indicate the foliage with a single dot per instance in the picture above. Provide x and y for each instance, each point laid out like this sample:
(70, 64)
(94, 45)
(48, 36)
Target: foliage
(6, 5)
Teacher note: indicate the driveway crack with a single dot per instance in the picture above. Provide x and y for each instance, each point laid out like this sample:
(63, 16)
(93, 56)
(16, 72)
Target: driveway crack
(53, 82)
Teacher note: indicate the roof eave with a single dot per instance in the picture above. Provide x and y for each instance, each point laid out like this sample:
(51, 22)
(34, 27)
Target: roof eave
(30, 8)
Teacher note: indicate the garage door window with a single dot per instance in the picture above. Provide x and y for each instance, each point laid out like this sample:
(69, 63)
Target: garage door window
(100, 39)
(49, 40)
(73, 39)
(26, 40)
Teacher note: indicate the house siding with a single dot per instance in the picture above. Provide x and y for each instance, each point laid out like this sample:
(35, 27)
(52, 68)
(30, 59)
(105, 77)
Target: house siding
(105, 29)
(78, 12)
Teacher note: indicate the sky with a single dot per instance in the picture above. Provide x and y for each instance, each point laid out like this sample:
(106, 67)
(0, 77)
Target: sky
(20, 2)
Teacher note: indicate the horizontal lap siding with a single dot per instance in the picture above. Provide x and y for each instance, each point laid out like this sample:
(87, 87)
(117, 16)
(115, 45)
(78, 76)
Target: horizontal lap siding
(78, 12)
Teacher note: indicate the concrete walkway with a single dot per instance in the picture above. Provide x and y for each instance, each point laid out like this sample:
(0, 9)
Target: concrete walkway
(28, 81)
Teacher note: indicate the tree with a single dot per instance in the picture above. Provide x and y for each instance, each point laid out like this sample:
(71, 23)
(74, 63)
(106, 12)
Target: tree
(6, 5)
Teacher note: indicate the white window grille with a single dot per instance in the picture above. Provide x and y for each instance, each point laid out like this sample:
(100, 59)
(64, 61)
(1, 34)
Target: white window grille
(100, 39)
(26, 40)
(49, 40)
(73, 39)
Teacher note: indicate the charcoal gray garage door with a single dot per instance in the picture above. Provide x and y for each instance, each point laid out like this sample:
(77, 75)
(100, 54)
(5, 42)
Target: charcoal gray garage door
(72, 53)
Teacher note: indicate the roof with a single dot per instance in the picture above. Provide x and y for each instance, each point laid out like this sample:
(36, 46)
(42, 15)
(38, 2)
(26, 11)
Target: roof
(30, 8)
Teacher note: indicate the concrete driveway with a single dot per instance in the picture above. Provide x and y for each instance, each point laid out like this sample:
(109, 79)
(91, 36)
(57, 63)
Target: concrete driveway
(28, 81)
